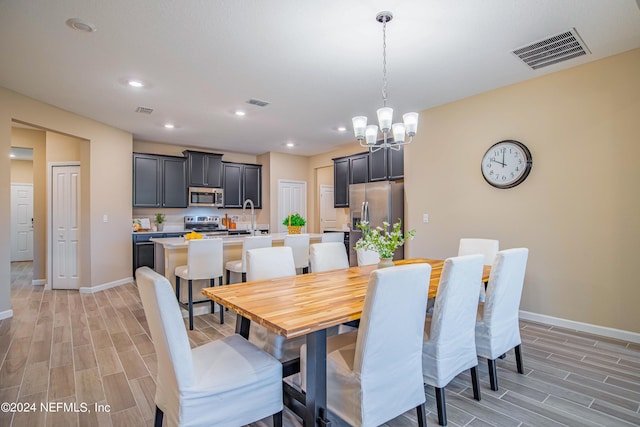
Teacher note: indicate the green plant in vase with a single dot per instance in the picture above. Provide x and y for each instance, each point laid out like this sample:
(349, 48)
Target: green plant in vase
(294, 222)
(159, 220)
(382, 240)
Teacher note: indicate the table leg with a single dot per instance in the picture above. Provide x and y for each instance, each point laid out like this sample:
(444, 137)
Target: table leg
(316, 398)
(242, 326)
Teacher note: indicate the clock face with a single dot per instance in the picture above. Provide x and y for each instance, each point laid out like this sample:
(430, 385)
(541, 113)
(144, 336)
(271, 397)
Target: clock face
(506, 164)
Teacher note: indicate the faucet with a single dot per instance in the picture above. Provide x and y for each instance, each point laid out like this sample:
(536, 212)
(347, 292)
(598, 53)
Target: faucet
(253, 214)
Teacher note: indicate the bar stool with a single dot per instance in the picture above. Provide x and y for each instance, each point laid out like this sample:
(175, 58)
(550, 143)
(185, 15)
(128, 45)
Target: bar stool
(240, 266)
(204, 262)
(299, 244)
(332, 237)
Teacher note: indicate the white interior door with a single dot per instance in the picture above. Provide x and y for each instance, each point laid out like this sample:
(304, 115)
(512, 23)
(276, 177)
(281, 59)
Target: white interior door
(21, 222)
(328, 215)
(292, 198)
(65, 220)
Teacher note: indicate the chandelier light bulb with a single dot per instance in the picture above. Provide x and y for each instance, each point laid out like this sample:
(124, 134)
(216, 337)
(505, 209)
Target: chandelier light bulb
(411, 123)
(398, 132)
(359, 126)
(371, 134)
(385, 117)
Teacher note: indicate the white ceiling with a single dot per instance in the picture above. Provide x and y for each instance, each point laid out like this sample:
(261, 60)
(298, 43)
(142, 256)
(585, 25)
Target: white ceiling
(317, 62)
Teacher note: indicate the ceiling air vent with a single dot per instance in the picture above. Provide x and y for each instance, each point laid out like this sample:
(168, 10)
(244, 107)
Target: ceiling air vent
(554, 49)
(257, 102)
(144, 110)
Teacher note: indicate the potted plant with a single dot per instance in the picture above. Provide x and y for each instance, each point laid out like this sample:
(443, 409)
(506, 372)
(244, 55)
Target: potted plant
(159, 220)
(294, 223)
(383, 241)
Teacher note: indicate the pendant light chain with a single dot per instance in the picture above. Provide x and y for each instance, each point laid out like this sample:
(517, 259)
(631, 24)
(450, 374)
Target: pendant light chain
(384, 62)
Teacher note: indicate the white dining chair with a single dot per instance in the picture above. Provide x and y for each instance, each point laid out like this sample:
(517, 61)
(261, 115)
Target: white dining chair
(265, 264)
(367, 257)
(498, 328)
(449, 337)
(239, 266)
(486, 247)
(374, 374)
(328, 256)
(204, 262)
(226, 382)
(337, 236)
(299, 243)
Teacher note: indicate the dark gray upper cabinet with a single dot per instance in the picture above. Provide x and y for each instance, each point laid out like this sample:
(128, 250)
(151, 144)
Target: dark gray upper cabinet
(395, 163)
(378, 165)
(359, 169)
(205, 169)
(240, 182)
(341, 183)
(386, 164)
(146, 181)
(159, 181)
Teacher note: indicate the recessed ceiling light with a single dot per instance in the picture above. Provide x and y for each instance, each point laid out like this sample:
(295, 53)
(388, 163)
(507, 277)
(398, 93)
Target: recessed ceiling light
(169, 125)
(342, 129)
(290, 144)
(135, 83)
(80, 25)
(240, 113)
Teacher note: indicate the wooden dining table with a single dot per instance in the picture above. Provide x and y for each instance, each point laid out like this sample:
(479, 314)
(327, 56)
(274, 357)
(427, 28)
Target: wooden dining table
(308, 304)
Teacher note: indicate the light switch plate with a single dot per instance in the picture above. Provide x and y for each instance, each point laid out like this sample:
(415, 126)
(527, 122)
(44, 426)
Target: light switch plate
(425, 218)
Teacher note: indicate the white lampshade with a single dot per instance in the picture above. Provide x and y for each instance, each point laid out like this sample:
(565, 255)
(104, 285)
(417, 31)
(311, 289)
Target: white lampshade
(359, 125)
(398, 132)
(411, 123)
(385, 117)
(371, 134)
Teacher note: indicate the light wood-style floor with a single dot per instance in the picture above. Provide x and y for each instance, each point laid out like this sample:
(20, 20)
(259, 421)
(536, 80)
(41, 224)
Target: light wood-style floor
(62, 346)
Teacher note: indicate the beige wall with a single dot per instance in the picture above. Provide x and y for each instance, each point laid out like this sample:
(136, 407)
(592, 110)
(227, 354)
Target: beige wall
(22, 171)
(109, 251)
(324, 176)
(577, 212)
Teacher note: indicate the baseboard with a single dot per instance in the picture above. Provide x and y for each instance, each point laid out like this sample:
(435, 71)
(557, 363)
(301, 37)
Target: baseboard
(6, 314)
(37, 282)
(582, 327)
(92, 289)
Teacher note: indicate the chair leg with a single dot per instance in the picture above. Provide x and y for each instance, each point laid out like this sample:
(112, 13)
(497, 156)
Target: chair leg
(228, 276)
(519, 359)
(190, 305)
(277, 419)
(221, 306)
(244, 277)
(212, 283)
(422, 416)
(475, 382)
(305, 270)
(178, 288)
(159, 416)
(493, 376)
(440, 404)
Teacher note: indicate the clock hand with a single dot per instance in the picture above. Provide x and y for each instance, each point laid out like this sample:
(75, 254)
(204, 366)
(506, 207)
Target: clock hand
(500, 163)
(503, 150)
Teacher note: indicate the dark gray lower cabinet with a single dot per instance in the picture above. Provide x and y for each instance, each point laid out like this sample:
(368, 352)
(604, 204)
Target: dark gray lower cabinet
(341, 183)
(144, 249)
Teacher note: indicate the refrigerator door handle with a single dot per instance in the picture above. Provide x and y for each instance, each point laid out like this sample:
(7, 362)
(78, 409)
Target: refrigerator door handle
(366, 211)
(363, 212)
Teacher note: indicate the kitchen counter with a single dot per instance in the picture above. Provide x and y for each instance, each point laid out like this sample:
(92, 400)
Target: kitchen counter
(171, 252)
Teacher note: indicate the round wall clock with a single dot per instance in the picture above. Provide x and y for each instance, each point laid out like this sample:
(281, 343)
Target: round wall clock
(506, 164)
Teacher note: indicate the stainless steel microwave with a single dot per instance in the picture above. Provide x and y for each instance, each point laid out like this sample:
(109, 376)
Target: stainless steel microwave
(205, 197)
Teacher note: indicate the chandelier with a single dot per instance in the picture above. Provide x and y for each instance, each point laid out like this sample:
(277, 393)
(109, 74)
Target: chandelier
(367, 135)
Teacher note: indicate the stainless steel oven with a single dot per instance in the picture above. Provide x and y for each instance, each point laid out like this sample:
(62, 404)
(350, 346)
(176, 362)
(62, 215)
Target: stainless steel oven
(205, 197)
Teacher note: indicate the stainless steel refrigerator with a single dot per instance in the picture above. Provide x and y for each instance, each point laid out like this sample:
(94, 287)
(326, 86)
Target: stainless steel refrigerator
(375, 202)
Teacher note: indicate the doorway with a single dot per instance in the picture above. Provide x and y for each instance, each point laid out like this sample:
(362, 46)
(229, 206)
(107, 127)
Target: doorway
(292, 198)
(328, 215)
(65, 226)
(21, 222)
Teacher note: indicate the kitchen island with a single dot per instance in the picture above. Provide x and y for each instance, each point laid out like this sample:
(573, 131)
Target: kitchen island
(171, 252)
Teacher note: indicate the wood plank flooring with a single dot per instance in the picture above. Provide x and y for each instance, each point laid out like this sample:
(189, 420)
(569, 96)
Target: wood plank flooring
(67, 347)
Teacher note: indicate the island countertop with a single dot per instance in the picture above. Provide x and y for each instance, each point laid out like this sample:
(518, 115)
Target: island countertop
(181, 242)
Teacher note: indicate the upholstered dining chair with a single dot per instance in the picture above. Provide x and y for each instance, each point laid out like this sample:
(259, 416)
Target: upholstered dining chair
(487, 247)
(367, 257)
(204, 262)
(337, 236)
(264, 264)
(328, 256)
(449, 338)
(498, 328)
(240, 266)
(299, 243)
(374, 374)
(227, 382)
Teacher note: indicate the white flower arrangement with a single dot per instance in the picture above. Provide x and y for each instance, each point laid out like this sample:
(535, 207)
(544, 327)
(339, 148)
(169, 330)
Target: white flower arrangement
(381, 240)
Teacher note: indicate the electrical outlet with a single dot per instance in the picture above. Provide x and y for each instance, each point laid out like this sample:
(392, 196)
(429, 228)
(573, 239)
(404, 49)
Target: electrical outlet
(425, 218)
(105, 218)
